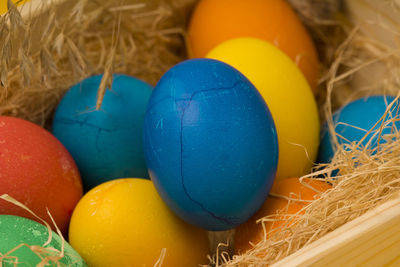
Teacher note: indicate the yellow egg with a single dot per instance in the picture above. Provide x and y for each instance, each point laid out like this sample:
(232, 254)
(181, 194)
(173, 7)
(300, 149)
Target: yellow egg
(3, 5)
(215, 21)
(124, 222)
(287, 94)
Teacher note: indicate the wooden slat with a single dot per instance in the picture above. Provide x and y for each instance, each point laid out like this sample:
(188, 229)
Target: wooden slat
(394, 263)
(370, 240)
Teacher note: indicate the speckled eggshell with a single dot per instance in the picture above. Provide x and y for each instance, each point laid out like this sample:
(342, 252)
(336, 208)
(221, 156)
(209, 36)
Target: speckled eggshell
(15, 231)
(37, 170)
(124, 222)
(107, 143)
(354, 120)
(210, 144)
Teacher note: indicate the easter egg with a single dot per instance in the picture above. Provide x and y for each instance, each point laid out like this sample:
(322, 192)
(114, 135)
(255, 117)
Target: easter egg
(124, 222)
(287, 95)
(23, 242)
(353, 121)
(216, 21)
(106, 143)
(210, 144)
(4, 8)
(37, 170)
(280, 208)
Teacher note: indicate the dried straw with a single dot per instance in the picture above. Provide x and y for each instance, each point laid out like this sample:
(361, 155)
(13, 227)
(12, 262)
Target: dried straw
(46, 253)
(138, 38)
(145, 38)
(366, 177)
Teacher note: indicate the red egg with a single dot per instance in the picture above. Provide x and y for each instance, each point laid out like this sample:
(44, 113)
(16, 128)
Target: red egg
(38, 171)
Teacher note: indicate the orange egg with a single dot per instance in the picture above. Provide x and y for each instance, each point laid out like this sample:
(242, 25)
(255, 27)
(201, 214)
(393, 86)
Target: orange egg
(253, 232)
(215, 21)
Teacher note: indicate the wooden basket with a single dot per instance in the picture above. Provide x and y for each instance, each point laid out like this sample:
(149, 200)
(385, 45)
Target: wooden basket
(370, 240)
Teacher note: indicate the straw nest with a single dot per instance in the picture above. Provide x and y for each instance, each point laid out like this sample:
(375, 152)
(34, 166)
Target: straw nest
(46, 253)
(42, 57)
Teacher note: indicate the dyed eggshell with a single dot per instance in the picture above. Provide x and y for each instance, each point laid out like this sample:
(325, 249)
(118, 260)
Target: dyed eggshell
(210, 144)
(107, 143)
(4, 8)
(279, 208)
(15, 231)
(287, 95)
(354, 120)
(216, 21)
(124, 222)
(37, 170)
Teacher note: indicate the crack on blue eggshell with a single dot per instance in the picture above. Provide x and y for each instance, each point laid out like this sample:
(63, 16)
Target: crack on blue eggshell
(68, 121)
(99, 130)
(84, 122)
(227, 220)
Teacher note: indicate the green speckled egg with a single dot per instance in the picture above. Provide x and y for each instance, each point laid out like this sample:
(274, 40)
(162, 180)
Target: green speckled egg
(15, 231)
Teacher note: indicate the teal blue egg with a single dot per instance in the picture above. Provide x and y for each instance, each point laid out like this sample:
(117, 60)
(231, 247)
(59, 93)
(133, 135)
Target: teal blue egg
(353, 121)
(106, 143)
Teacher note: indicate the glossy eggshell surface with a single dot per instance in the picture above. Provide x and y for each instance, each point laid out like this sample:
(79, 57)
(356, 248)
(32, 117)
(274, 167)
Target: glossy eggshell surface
(216, 21)
(124, 222)
(15, 231)
(107, 143)
(354, 120)
(37, 170)
(287, 95)
(210, 144)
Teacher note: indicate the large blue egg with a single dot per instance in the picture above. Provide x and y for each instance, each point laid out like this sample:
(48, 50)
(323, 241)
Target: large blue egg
(353, 121)
(107, 143)
(210, 144)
